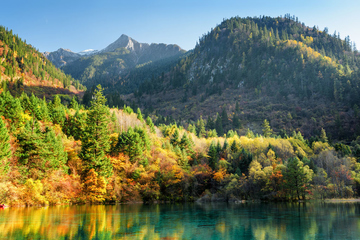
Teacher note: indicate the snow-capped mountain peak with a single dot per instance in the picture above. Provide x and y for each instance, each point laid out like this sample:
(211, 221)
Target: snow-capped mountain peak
(88, 52)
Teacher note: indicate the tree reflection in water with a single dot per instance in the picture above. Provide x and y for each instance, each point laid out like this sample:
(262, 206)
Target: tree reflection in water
(184, 221)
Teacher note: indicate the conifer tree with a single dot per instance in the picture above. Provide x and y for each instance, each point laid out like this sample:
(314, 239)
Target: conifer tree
(96, 139)
(297, 177)
(133, 143)
(213, 156)
(39, 151)
(25, 102)
(192, 128)
(35, 107)
(54, 151)
(174, 140)
(210, 124)
(73, 103)
(11, 109)
(44, 110)
(267, 131)
(219, 126)
(233, 147)
(226, 145)
(200, 127)
(186, 144)
(57, 111)
(5, 151)
(150, 124)
(139, 115)
(323, 136)
(218, 147)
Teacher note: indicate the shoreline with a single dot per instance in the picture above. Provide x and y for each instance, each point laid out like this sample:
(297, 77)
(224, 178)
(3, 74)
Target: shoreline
(341, 200)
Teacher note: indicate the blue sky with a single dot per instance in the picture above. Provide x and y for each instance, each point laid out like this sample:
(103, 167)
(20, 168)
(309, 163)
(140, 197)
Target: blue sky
(79, 25)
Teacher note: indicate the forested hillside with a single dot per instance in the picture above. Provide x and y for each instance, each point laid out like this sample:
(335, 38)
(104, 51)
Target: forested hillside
(298, 77)
(24, 69)
(53, 153)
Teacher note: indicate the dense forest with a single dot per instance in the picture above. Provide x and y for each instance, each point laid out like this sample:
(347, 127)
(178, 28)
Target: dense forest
(298, 77)
(53, 153)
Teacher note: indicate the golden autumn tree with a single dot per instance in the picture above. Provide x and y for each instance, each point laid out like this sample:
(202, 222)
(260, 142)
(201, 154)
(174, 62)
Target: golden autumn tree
(94, 187)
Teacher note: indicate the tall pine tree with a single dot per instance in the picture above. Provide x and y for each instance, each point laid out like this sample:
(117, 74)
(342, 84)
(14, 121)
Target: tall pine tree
(5, 151)
(96, 140)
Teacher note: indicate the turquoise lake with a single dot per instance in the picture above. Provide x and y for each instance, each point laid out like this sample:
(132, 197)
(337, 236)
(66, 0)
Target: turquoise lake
(184, 221)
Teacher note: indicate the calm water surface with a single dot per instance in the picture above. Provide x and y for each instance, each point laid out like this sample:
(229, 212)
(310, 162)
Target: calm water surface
(184, 221)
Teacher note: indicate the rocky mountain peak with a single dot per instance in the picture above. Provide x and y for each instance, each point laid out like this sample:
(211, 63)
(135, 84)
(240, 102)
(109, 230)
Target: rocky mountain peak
(61, 56)
(127, 42)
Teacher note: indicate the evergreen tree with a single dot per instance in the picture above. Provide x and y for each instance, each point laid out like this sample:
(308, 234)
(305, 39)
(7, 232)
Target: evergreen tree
(30, 149)
(234, 147)
(212, 133)
(174, 140)
(219, 126)
(139, 115)
(38, 152)
(200, 128)
(73, 103)
(323, 136)
(57, 111)
(267, 131)
(213, 156)
(5, 151)
(150, 124)
(297, 177)
(35, 107)
(96, 139)
(54, 151)
(133, 143)
(210, 124)
(11, 109)
(192, 129)
(226, 145)
(44, 110)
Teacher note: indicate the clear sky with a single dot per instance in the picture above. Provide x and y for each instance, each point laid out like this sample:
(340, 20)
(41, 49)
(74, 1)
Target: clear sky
(78, 25)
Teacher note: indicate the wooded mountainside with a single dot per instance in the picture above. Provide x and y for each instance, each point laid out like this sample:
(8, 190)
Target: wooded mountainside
(298, 77)
(24, 69)
(54, 149)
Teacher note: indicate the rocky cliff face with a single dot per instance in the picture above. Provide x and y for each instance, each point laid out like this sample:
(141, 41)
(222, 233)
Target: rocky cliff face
(61, 57)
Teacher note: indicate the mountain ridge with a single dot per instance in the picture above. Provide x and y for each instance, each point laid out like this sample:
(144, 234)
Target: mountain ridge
(62, 56)
(113, 65)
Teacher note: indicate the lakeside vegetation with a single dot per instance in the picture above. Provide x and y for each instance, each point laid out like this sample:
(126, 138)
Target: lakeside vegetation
(53, 153)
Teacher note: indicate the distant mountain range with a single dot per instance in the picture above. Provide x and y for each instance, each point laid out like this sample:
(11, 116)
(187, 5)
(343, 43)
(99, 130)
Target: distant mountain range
(112, 65)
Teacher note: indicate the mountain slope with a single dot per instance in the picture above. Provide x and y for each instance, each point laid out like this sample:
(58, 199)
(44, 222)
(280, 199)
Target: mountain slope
(115, 64)
(23, 68)
(62, 57)
(298, 77)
